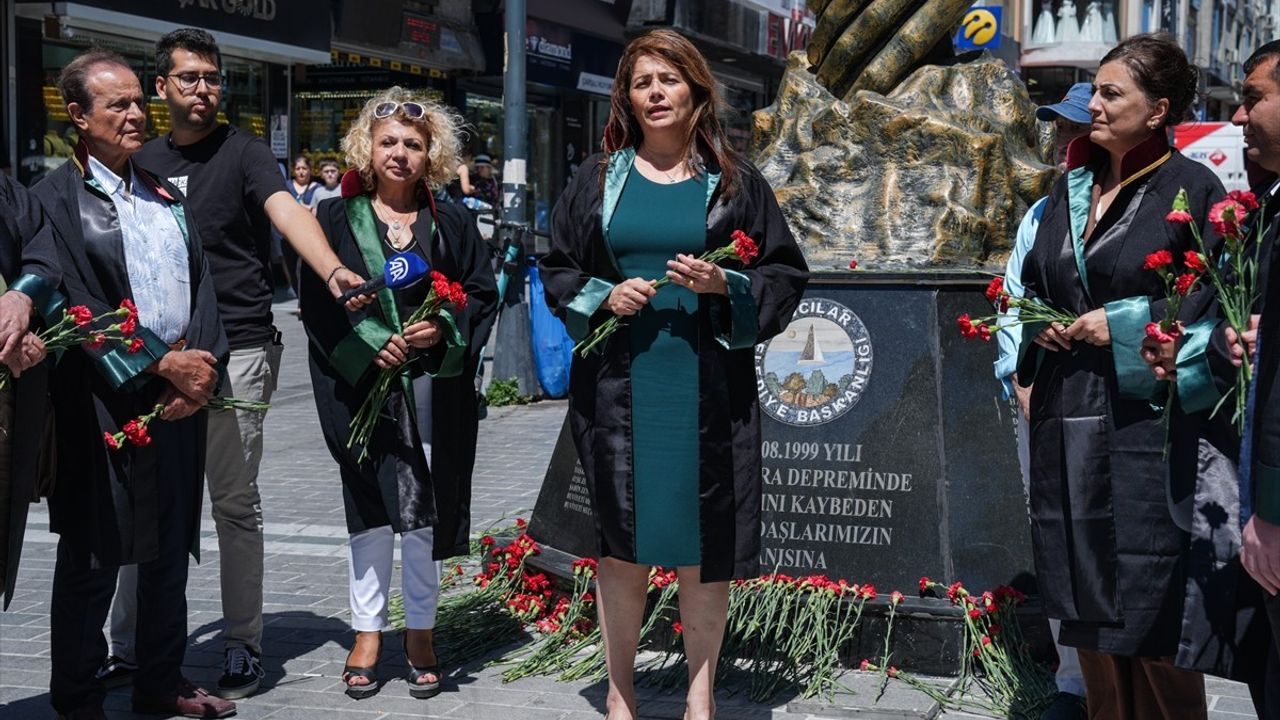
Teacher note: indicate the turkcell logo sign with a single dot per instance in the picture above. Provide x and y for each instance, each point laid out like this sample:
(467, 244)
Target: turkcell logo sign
(980, 29)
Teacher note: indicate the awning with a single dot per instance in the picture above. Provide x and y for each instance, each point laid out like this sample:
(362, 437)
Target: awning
(1083, 55)
(278, 31)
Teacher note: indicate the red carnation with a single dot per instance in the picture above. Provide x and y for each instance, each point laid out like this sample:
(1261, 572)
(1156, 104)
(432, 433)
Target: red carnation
(1184, 283)
(1158, 259)
(984, 332)
(744, 247)
(1194, 261)
(865, 665)
(1226, 216)
(136, 432)
(80, 314)
(1246, 199)
(677, 627)
(1181, 217)
(924, 584)
(129, 326)
(966, 326)
(853, 264)
(986, 639)
(134, 345)
(995, 289)
(127, 304)
(95, 341)
(111, 441)
(892, 671)
(1156, 333)
(895, 597)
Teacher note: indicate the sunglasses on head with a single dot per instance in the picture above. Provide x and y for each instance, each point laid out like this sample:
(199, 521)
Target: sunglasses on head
(411, 110)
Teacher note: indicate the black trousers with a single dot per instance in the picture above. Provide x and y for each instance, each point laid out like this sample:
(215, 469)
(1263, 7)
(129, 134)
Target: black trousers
(82, 599)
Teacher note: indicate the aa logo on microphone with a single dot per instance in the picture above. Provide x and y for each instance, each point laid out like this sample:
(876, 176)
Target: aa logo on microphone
(398, 268)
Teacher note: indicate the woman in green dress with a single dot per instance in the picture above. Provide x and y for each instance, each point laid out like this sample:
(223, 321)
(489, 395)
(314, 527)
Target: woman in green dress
(664, 416)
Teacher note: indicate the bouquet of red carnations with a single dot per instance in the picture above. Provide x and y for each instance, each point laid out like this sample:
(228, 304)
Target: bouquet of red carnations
(443, 291)
(1030, 310)
(743, 249)
(135, 430)
(80, 326)
(1233, 274)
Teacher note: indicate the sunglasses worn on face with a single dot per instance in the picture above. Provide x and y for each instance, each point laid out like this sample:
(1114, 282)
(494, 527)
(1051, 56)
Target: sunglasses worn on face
(411, 110)
(189, 80)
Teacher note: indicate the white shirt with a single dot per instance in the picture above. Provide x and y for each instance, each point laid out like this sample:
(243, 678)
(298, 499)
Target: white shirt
(155, 253)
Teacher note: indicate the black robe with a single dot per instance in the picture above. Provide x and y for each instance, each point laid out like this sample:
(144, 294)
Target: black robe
(104, 504)
(393, 485)
(1109, 554)
(578, 274)
(1264, 429)
(29, 264)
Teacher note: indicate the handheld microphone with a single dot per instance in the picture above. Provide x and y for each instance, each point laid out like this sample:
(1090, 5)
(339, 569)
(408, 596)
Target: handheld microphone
(401, 271)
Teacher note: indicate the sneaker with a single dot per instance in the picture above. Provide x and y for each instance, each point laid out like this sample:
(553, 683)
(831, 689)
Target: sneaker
(186, 700)
(116, 671)
(241, 673)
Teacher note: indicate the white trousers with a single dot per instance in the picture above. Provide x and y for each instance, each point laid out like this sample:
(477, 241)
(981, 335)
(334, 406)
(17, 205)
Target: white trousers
(1069, 678)
(372, 552)
(370, 578)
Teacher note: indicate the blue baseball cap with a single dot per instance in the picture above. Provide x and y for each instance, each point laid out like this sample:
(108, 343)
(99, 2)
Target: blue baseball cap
(1074, 107)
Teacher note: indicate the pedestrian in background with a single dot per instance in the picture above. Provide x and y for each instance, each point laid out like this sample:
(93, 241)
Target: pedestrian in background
(416, 481)
(234, 190)
(124, 236)
(665, 492)
(1071, 119)
(1110, 557)
(330, 174)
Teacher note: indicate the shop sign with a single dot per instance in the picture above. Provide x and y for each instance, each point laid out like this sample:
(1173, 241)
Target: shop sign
(280, 136)
(289, 22)
(787, 33)
(549, 44)
(592, 83)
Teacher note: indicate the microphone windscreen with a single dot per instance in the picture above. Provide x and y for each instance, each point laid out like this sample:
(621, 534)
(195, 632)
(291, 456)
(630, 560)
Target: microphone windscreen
(404, 269)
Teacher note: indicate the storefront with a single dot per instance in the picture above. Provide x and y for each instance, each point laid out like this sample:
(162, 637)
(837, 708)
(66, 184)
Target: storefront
(259, 40)
(569, 77)
(375, 46)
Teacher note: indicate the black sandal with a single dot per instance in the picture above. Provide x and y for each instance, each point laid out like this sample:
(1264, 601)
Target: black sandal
(371, 688)
(418, 689)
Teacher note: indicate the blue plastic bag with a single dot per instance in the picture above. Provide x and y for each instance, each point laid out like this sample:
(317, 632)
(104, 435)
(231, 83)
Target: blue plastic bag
(552, 347)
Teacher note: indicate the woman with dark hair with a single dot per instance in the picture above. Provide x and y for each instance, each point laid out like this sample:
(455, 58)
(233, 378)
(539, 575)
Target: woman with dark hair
(665, 417)
(1109, 547)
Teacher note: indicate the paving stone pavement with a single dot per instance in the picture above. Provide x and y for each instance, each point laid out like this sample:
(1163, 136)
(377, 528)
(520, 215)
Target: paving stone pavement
(306, 636)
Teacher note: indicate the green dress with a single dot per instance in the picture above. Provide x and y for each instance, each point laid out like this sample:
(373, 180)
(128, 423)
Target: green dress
(652, 223)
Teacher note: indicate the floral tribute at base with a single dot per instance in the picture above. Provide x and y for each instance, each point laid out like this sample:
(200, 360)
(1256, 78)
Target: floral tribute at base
(784, 634)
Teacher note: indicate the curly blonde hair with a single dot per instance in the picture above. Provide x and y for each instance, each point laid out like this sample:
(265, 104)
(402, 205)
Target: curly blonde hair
(441, 126)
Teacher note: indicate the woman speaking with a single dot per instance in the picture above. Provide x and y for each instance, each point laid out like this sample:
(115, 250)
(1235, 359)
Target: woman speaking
(664, 415)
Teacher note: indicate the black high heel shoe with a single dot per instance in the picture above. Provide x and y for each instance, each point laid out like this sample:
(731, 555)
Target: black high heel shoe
(371, 688)
(418, 689)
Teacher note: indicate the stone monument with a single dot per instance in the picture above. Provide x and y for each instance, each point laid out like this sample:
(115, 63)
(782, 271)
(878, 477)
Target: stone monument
(887, 452)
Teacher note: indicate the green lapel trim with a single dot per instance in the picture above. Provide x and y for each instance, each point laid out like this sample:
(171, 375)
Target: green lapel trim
(365, 230)
(1196, 388)
(615, 178)
(180, 215)
(1127, 321)
(353, 355)
(713, 181)
(1079, 198)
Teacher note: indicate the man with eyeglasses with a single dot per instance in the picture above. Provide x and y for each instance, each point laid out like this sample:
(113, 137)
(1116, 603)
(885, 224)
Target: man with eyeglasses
(235, 192)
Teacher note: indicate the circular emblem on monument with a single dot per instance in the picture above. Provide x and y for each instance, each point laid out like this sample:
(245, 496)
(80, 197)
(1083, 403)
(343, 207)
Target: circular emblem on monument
(817, 369)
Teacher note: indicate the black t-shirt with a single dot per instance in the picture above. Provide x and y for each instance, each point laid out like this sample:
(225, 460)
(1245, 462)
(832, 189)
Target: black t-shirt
(227, 178)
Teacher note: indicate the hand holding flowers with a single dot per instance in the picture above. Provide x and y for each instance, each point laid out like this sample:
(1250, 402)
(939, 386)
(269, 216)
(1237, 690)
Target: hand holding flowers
(698, 274)
(1028, 310)
(421, 331)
